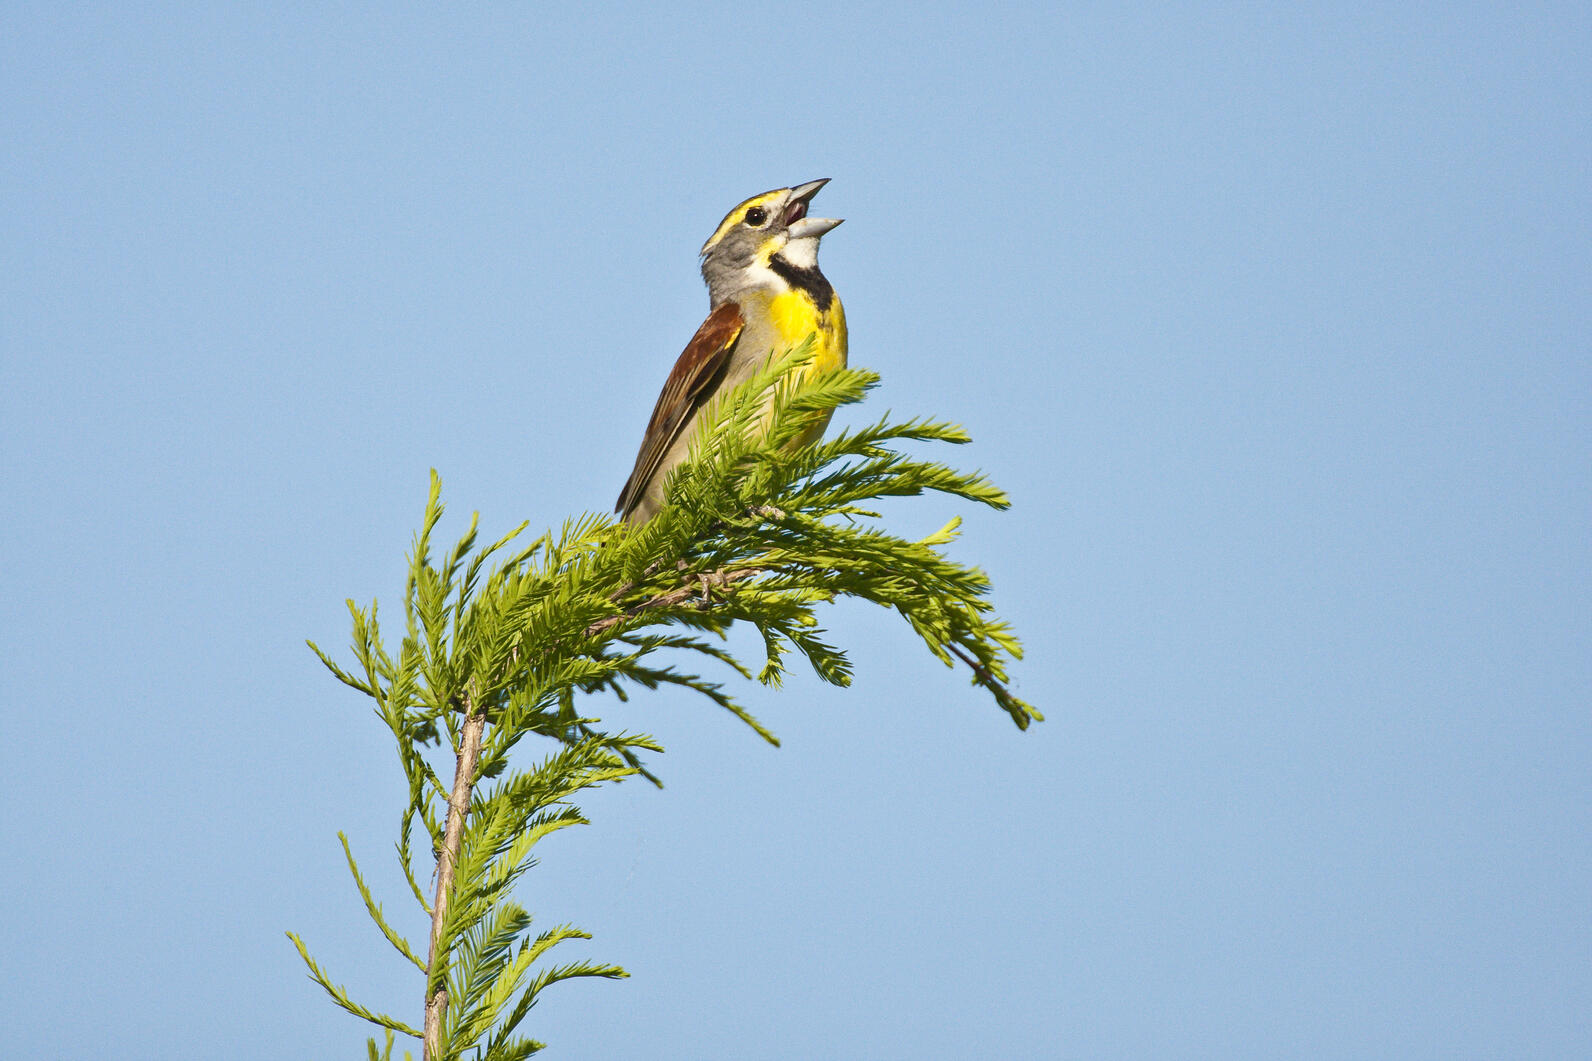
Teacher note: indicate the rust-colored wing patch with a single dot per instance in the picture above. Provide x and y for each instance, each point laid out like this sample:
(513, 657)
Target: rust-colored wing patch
(688, 386)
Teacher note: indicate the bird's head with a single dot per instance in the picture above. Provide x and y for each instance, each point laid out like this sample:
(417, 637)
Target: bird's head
(737, 256)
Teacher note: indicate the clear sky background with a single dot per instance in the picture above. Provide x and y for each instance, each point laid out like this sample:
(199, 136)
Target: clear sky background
(1275, 323)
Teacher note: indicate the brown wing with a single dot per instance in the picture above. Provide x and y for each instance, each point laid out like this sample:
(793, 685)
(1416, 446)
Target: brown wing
(687, 387)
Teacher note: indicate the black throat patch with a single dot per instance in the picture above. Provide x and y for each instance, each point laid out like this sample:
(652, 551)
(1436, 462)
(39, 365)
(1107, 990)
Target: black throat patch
(809, 280)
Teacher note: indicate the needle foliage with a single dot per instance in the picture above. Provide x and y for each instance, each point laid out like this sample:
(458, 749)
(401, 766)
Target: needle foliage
(503, 642)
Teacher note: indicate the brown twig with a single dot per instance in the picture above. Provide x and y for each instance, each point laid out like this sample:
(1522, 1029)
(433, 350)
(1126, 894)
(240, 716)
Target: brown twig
(768, 512)
(447, 860)
(669, 599)
(991, 683)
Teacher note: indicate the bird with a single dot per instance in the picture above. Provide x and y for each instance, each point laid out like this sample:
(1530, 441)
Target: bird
(766, 294)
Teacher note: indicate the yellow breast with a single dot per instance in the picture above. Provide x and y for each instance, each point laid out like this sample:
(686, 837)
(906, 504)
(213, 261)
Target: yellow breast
(796, 316)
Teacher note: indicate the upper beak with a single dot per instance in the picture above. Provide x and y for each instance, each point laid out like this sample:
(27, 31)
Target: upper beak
(797, 223)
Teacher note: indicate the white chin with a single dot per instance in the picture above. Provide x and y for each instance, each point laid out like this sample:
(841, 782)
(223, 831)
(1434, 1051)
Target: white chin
(802, 253)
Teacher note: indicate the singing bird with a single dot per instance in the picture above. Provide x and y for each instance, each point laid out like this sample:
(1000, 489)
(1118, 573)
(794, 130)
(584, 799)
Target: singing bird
(766, 294)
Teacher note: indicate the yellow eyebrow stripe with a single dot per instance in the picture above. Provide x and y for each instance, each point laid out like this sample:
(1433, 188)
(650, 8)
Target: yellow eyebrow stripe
(734, 217)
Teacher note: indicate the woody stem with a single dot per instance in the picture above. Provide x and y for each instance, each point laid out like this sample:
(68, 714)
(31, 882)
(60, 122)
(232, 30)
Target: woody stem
(447, 861)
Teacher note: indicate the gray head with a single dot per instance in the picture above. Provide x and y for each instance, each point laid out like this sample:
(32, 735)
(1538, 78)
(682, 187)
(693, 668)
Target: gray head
(737, 256)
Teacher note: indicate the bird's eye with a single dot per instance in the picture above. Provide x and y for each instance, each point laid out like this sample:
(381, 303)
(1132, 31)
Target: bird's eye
(756, 216)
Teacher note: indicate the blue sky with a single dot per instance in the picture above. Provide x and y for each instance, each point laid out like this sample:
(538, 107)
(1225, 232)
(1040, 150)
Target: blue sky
(1273, 321)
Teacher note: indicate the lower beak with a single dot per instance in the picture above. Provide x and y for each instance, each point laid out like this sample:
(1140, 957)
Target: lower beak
(809, 227)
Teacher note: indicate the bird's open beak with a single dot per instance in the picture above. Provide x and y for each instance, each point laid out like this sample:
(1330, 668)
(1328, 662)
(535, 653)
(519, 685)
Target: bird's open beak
(797, 223)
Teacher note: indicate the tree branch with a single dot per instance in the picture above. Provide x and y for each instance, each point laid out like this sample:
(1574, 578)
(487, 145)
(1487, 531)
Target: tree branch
(697, 583)
(728, 576)
(447, 859)
(983, 675)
